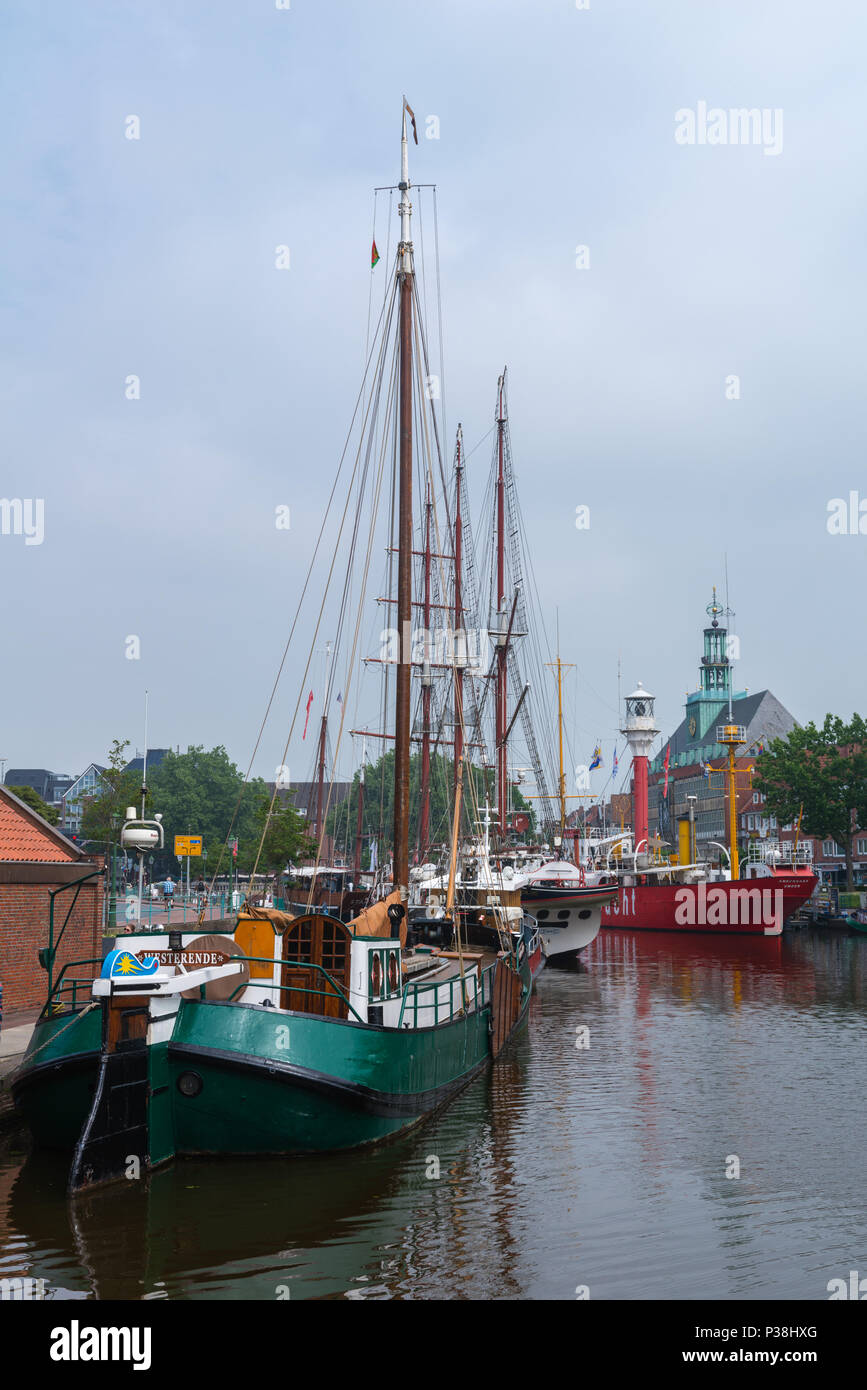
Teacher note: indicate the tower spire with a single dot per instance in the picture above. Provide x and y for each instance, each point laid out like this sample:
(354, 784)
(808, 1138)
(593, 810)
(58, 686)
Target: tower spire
(715, 666)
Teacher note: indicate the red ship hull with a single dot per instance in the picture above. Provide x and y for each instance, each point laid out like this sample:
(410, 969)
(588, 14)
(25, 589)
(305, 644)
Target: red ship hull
(753, 906)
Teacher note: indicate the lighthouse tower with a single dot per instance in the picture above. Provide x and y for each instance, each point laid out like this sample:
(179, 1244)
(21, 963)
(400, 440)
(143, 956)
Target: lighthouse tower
(640, 731)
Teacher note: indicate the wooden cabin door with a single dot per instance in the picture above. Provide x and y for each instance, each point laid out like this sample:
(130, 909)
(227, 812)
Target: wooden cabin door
(315, 940)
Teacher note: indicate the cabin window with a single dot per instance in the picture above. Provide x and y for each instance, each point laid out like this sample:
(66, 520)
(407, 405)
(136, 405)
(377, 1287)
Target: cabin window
(302, 942)
(377, 977)
(383, 974)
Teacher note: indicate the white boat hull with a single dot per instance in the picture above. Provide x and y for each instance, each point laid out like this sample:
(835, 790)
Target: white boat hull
(566, 936)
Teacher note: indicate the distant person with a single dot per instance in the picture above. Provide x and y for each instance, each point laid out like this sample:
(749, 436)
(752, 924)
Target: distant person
(168, 889)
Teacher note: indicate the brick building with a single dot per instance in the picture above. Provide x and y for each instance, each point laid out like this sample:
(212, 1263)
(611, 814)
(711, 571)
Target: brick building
(35, 859)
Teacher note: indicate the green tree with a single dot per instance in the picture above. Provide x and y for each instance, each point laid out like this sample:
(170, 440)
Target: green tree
(104, 814)
(825, 771)
(197, 793)
(286, 837)
(31, 797)
(378, 809)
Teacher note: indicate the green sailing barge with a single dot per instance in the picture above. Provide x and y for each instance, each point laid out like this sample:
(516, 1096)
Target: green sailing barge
(279, 1034)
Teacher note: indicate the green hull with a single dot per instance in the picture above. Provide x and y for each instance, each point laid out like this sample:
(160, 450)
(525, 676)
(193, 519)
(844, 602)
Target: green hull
(242, 1079)
(54, 1087)
(331, 1084)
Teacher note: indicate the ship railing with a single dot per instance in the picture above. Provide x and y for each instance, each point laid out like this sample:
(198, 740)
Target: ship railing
(335, 990)
(469, 1001)
(731, 734)
(780, 852)
(65, 996)
(166, 914)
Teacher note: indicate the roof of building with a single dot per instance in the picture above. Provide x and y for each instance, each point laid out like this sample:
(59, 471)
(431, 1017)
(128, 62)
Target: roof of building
(39, 778)
(91, 767)
(26, 838)
(761, 714)
(304, 794)
(155, 757)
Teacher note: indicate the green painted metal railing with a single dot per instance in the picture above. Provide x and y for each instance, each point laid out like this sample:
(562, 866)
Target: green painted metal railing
(65, 990)
(171, 914)
(69, 986)
(481, 997)
(300, 989)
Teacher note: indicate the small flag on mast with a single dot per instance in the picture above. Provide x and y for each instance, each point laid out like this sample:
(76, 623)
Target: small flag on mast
(309, 703)
(411, 115)
(597, 757)
(374, 254)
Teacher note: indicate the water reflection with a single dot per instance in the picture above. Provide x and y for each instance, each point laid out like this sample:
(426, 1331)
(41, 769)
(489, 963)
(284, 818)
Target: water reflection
(602, 1165)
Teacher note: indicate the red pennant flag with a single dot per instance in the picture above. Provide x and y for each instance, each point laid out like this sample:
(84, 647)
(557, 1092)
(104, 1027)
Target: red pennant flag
(665, 765)
(309, 703)
(411, 114)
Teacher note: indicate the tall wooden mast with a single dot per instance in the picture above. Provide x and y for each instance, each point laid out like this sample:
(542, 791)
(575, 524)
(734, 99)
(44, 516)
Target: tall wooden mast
(359, 826)
(320, 777)
(459, 607)
(404, 539)
(502, 639)
(323, 734)
(424, 824)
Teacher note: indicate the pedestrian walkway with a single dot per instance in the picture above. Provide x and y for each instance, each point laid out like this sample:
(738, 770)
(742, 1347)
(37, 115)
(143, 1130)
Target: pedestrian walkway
(13, 1045)
(14, 1040)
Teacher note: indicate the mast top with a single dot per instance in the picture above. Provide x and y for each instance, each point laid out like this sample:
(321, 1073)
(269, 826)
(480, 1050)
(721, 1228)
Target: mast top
(404, 250)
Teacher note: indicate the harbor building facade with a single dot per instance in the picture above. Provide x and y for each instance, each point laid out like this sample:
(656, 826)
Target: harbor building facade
(696, 762)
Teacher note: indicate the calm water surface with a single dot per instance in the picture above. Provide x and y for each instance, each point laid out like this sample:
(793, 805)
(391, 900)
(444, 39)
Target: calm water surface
(564, 1166)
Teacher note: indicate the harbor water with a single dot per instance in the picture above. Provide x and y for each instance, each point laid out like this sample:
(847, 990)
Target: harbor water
(682, 1118)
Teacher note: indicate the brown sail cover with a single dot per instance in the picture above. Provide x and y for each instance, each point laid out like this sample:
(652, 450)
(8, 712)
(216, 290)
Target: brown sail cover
(373, 921)
(279, 920)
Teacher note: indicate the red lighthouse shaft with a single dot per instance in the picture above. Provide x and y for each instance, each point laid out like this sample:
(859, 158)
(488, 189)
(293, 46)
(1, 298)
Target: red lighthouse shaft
(639, 798)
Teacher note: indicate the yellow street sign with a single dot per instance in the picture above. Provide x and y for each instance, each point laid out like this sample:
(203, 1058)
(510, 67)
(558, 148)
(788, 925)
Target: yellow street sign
(188, 844)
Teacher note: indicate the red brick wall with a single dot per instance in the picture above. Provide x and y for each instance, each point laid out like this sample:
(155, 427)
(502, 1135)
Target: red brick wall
(24, 931)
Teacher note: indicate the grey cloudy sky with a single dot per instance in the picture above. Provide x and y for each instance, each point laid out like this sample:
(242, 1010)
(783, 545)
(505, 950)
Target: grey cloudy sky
(261, 127)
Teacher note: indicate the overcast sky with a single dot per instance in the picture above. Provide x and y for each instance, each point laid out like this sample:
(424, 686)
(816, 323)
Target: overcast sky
(260, 127)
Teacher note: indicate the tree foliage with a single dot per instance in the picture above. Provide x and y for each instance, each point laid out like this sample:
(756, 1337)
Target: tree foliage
(197, 793)
(378, 808)
(31, 797)
(825, 771)
(286, 839)
(103, 814)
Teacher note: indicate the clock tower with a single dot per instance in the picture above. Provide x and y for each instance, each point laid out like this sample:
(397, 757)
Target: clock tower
(704, 705)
